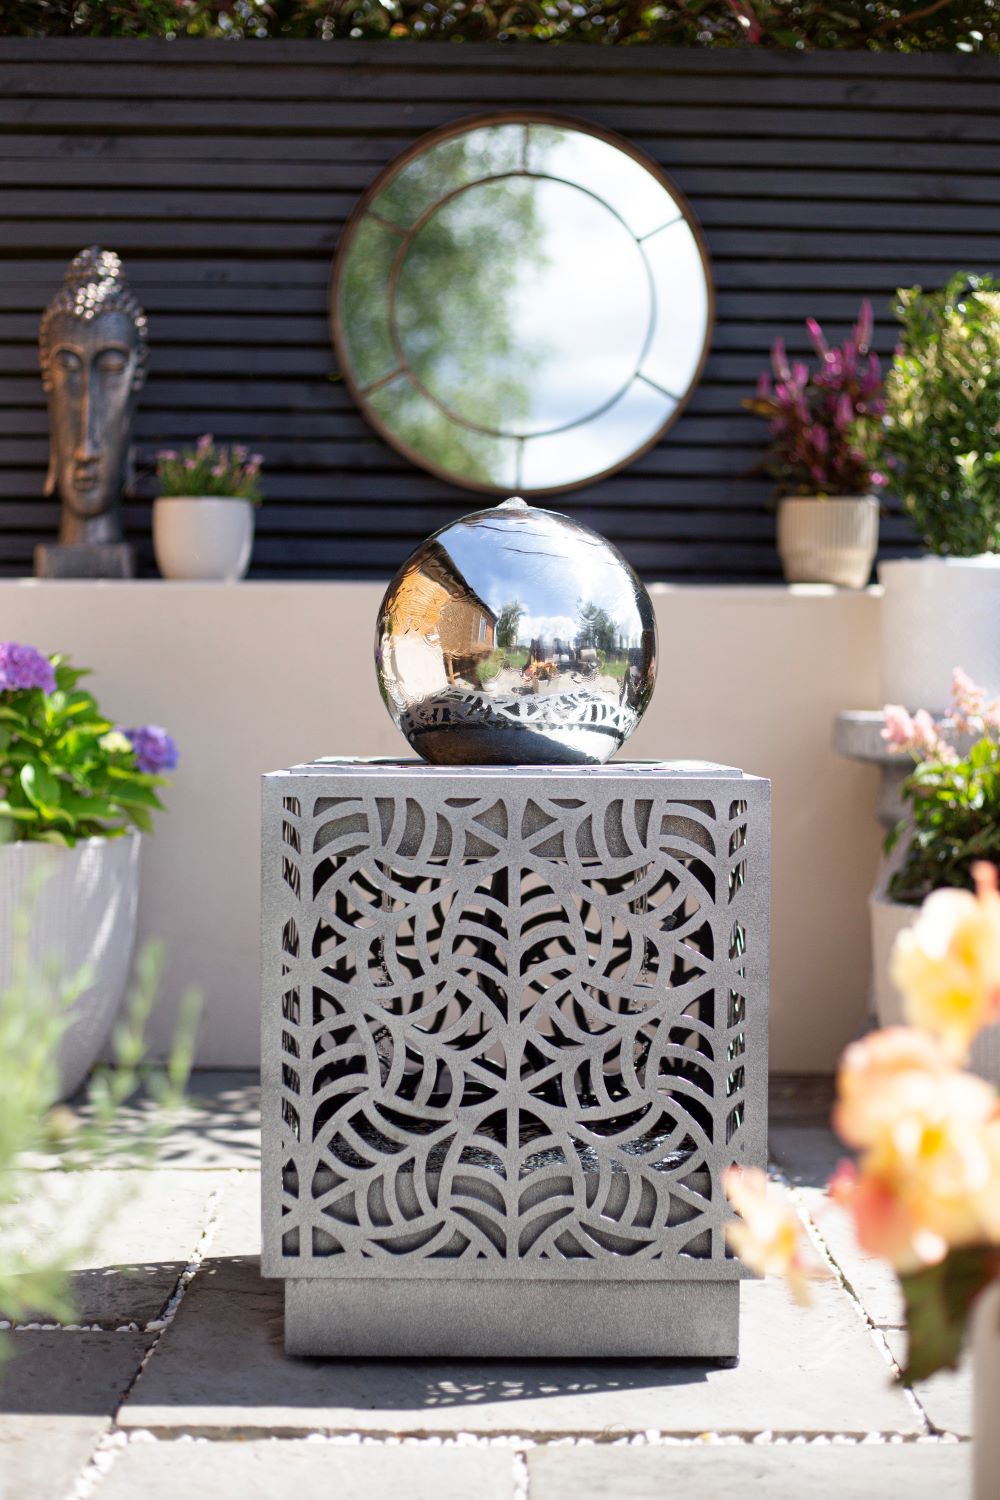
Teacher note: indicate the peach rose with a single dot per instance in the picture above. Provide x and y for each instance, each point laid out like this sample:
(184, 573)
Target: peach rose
(931, 1176)
(947, 965)
(885, 1075)
(771, 1239)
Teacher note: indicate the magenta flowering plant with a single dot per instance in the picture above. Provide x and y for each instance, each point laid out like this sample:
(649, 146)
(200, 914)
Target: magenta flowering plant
(825, 424)
(66, 771)
(952, 794)
(227, 473)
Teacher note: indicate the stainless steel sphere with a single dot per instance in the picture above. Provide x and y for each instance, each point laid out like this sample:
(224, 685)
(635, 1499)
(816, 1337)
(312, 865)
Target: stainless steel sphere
(516, 636)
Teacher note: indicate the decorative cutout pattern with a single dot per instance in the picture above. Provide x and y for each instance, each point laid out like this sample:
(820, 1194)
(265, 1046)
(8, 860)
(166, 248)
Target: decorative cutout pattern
(511, 1021)
(582, 719)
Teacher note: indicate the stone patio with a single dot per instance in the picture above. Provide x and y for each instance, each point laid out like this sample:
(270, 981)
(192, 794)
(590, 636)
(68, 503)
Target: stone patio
(175, 1383)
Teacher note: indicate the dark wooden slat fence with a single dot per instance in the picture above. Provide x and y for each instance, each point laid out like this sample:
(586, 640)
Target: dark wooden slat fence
(222, 173)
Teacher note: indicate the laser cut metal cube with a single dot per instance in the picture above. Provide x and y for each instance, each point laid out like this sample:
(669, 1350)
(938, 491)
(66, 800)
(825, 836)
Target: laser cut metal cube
(514, 1028)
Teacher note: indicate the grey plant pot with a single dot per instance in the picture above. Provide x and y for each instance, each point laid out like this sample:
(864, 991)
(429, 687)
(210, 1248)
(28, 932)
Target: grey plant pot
(83, 905)
(939, 613)
(828, 540)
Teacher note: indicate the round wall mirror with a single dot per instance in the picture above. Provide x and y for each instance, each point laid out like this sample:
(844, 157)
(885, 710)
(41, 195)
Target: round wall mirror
(521, 303)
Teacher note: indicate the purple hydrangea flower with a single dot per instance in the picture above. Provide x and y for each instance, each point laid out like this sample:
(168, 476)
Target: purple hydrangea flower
(22, 667)
(154, 749)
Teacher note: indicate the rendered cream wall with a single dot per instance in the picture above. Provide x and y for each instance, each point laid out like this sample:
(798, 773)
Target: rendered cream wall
(255, 676)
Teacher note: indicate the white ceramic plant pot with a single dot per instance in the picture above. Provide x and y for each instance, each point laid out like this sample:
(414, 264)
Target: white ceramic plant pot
(828, 541)
(888, 919)
(986, 1394)
(202, 536)
(939, 613)
(82, 914)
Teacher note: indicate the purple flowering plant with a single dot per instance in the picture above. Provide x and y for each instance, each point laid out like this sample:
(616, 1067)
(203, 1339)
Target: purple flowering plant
(825, 424)
(66, 771)
(227, 473)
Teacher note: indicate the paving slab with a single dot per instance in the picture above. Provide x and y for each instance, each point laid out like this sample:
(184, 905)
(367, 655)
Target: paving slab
(237, 1218)
(947, 1396)
(920, 1471)
(143, 1227)
(221, 1365)
(800, 1140)
(807, 1154)
(307, 1470)
(872, 1280)
(219, 1127)
(58, 1393)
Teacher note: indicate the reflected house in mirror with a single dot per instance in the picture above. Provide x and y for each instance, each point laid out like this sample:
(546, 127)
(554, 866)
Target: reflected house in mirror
(516, 636)
(521, 303)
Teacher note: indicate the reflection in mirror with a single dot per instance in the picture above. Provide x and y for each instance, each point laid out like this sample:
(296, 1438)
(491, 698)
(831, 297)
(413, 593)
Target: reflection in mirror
(522, 304)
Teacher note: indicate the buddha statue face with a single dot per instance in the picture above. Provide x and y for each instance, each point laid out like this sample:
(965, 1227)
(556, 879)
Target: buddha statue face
(93, 352)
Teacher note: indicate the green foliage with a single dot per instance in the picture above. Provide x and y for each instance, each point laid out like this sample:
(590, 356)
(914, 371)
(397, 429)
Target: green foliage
(970, 25)
(37, 1132)
(509, 623)
(66, 773)
(938, 1300)
(228, 473)
(597, 629)
(954, 810)
(943, 414)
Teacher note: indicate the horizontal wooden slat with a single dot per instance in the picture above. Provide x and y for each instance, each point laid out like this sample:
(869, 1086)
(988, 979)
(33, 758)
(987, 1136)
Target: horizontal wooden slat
(290, 117)
(489, 57)
(233, 81)
(344, 151)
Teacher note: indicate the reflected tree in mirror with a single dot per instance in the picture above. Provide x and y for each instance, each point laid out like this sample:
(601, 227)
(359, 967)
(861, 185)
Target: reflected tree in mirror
(521, 303)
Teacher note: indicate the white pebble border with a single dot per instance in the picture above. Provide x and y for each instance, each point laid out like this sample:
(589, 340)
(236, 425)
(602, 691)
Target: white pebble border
(114, 1440)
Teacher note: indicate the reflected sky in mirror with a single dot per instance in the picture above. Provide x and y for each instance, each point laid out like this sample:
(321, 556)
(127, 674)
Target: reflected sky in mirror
(521, 305)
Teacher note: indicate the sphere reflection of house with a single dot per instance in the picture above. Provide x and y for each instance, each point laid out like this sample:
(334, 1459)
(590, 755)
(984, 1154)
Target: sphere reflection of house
(442, 629)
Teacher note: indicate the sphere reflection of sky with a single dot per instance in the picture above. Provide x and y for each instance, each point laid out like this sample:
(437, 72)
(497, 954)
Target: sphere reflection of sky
(550, 568)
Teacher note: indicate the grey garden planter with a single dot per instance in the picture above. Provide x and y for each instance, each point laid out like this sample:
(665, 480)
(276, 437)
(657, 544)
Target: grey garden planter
(82, 904)
(514, 1027)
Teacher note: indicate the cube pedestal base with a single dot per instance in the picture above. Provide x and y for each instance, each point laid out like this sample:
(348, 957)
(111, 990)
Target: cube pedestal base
(363, 1317)
(515, 1030)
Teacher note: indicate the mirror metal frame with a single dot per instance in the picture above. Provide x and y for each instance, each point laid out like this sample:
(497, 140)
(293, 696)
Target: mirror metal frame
(433, 138)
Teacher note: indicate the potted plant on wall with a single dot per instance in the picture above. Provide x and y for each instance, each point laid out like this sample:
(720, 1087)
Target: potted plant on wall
(75, 794)
(942, 428)
(953, 821)
(203, 518)
(825, 428)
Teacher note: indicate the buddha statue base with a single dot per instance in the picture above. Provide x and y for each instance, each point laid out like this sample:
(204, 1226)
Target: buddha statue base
(85, 560)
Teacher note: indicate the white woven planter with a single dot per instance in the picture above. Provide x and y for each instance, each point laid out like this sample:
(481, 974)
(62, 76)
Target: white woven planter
(939, 613)
(986, 1394)
(828, 541)
(888, 920)
(202, 536)
(83, 913)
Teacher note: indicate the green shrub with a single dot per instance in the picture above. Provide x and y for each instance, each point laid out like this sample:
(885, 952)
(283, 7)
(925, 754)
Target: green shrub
(942, 422)
(35, 1131)
(952, 798)
(873, 25)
